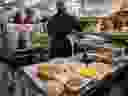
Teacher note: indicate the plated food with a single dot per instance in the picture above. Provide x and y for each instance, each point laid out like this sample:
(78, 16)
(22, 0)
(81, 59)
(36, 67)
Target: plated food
(116, 22)
(104, 55)
(64, 79)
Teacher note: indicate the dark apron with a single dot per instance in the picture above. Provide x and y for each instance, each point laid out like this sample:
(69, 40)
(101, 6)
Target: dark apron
(60, 47)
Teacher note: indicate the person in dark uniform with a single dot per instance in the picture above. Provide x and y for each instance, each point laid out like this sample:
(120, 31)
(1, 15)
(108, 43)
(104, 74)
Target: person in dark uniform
(59, 26)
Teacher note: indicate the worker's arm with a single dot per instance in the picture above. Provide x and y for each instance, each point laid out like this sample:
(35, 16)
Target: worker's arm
(76, 24)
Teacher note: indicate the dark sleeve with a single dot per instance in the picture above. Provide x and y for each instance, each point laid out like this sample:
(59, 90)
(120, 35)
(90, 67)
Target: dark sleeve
(76, 24)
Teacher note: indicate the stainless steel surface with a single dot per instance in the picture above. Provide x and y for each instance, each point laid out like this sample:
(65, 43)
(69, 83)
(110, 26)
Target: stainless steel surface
(94, 39)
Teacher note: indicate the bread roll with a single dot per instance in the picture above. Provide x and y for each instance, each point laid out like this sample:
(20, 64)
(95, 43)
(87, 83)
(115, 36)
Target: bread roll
(55, 88)
(73, 84)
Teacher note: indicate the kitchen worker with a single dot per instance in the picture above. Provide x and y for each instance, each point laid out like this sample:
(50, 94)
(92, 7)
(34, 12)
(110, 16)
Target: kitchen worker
(59, 26)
